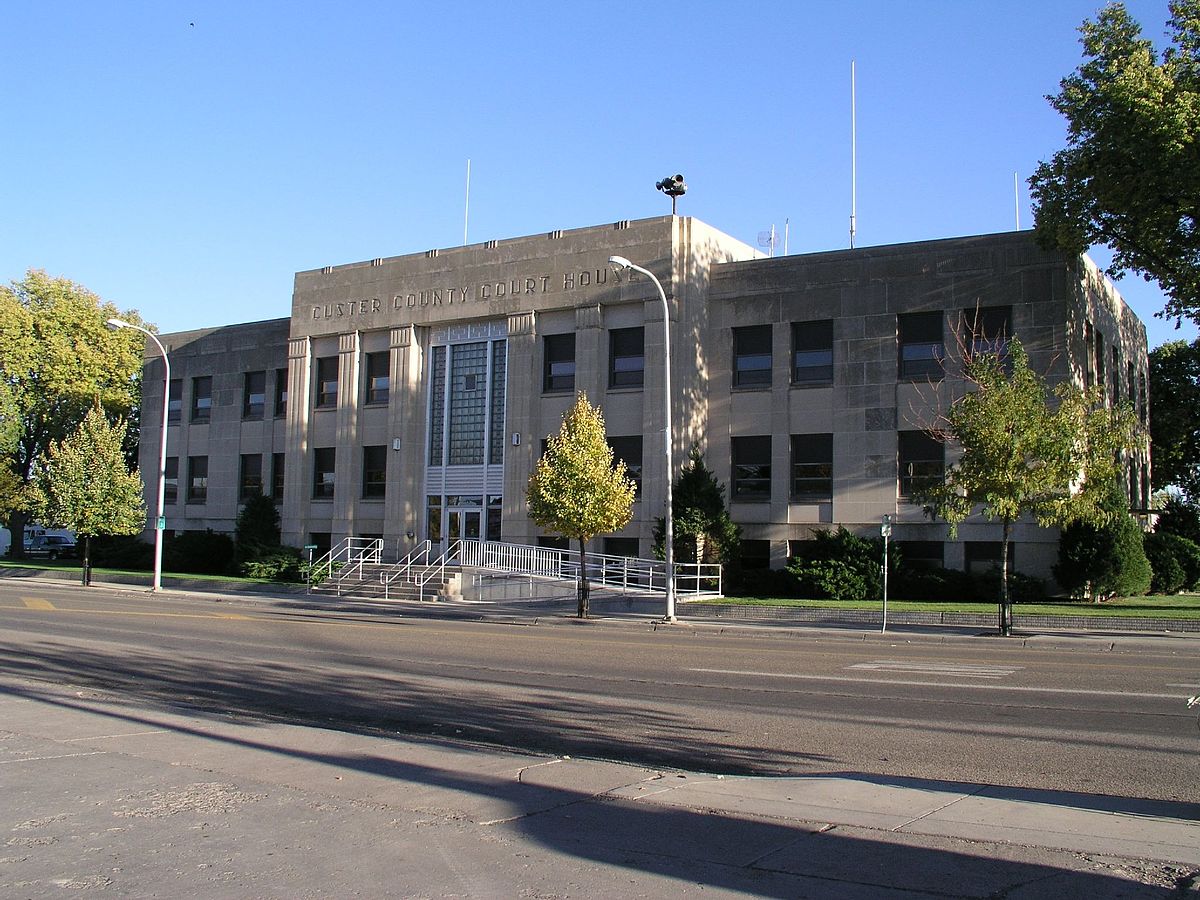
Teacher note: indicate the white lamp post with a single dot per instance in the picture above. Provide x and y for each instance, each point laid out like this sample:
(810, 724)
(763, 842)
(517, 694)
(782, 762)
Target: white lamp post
(161, 523)
(620, 262)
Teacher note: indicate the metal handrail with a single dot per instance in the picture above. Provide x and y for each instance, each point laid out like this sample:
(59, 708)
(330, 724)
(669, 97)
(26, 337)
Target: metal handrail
(352, 553)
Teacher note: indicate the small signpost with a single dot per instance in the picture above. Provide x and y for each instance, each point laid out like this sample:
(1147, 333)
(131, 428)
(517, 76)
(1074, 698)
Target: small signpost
(886, 531)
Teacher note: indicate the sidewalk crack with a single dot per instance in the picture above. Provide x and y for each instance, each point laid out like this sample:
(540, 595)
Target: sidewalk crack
(926, 815)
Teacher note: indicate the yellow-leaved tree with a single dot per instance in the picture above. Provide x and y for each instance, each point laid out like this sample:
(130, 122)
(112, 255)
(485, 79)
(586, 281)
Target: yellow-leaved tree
(575, 490)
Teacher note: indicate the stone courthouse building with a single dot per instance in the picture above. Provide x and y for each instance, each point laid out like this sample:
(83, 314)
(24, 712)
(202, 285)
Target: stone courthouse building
(409, 397)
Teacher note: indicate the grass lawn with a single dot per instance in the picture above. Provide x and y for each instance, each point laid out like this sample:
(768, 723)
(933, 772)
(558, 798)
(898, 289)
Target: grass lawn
(75, 565)
(1178, 606)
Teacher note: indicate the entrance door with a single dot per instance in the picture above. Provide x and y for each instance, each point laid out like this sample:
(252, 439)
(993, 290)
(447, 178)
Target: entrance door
(464, 524)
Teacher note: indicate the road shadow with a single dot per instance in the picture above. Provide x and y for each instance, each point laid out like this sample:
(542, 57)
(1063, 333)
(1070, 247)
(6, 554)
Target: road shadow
(713, 850)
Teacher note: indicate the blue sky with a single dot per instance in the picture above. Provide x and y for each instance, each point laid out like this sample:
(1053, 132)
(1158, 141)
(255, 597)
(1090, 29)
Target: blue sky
(186, 159)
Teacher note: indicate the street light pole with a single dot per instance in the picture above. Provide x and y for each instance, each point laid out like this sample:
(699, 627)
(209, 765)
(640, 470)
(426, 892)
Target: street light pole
(620, 262)
(161, 522)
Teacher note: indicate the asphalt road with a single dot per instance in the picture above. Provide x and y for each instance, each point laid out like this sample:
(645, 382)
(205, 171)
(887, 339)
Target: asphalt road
(1084, 715)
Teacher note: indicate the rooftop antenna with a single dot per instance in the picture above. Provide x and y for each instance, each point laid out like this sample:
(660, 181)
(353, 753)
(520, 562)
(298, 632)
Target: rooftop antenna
(769, 239)
(467, 203)
(786, 224)
(674, 187)
(853, 159)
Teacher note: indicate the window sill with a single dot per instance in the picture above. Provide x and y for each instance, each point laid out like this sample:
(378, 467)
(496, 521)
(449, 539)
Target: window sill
(809, 385)
(740, 388)
(627, 389)
(751, 500)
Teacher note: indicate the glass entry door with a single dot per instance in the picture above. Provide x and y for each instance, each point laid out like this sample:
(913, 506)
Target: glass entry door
(464, 524)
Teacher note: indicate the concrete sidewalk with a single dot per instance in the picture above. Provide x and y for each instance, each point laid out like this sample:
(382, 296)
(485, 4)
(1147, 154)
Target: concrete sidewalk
(144, 800)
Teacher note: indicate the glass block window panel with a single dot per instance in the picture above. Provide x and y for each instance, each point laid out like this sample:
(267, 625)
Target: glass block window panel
(468, 403)
(752, 356)
(327, 381)
(626, 357)
(202, 398)
(751, 468)
(374, 484)
(250, 480)
(197, 479)
(812, 352)
(812, 467)
(437, 407)
(254, 394)
(922, 462)
(921, 346)
(281, 393)
(499, 380)
(324, 460)
(171, 480)
(629, 449)
(379, 376)
(558, 352)
(175, 401)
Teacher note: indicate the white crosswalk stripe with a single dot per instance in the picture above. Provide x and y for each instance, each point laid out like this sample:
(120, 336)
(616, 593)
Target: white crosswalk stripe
(962, 670)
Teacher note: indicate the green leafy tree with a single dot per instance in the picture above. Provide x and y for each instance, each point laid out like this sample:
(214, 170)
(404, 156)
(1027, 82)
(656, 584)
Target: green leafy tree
(1024, 455)
(1103, 561)
(1175, 423)
(86, 486)
(575, 489)
(1175, 561)
(1180, 516)
(57, 360)
(1129, 176)
(703, 531)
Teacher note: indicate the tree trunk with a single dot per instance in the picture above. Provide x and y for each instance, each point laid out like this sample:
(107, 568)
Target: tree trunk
(16, 529)
(1005, 599)
(583, 580)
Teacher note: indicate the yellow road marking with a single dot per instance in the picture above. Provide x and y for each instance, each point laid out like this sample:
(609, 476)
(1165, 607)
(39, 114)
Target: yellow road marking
(33, 603)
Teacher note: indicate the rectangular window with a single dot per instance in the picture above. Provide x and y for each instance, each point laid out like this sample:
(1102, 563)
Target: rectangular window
(921, 345)
(254, 395)
(982, 556)
(752, 356)
(621, 546)
(812, 352)
(433, 518)
(277, 470)
(379, 376)
(374, 483)
(327, 381)
(250, 481)
(812, 467)
(558, 372)
(922, 462)
(202, 398)
(629, 449)
(495, 511)
(751, 468)
(499, 377)
(171, 480)
(626, 357)
(987, 330)
(755, 554)
(922, 554)
(324, 459)
(197, 491)
(175, 401)
(281, 393)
